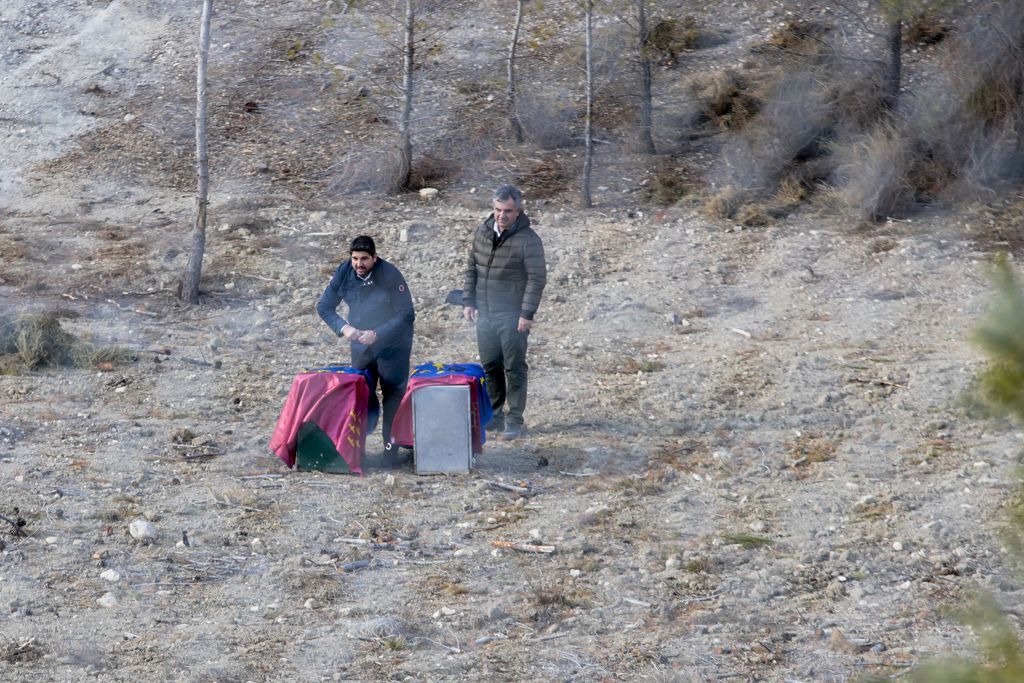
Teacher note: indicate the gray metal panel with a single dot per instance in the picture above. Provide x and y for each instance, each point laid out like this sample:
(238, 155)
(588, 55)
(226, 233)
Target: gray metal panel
(442, 429)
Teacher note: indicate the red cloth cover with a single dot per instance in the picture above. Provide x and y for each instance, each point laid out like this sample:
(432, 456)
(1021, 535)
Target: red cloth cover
(402, 427)
(336, 403)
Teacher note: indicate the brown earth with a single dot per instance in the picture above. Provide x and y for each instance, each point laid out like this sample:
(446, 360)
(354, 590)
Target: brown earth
(750, 448)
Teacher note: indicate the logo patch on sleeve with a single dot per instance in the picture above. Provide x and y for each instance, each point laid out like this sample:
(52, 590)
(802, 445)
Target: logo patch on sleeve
(401, 288)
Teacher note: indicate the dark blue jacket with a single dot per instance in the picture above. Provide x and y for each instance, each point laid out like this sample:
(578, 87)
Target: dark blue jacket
(381, 303)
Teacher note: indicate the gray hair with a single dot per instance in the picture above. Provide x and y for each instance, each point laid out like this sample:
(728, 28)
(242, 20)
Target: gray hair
(507, 192)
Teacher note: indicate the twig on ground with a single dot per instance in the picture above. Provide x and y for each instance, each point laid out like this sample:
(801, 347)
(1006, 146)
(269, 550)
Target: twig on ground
(524, 547)
(18, 531)
(508, 487)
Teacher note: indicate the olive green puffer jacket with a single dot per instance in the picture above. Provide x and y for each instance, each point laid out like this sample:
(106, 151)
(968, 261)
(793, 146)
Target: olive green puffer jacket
(506, 274)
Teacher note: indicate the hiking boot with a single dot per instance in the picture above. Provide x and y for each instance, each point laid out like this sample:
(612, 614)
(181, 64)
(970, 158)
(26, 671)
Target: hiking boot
(497, 423)
(512, 431)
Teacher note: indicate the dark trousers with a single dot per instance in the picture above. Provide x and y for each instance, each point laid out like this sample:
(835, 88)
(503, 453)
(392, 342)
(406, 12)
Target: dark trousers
(390, 368)
(503, 355)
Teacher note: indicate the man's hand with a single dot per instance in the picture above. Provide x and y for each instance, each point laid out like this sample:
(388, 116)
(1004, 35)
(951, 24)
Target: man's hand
(368, 337)
(469, 313)
(349, 332)
(524, 324)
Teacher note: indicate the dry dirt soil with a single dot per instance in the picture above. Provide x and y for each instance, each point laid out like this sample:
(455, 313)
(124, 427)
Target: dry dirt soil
(749, 448)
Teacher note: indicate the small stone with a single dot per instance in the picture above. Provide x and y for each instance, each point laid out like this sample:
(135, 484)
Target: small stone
(465, 552)
(111, 575)
(673, 562)
(897, 546)
(50, 540)
(108, 600)
(757, 526)
(428, 193)
(258, 546)
(389, 480)
(311, 604)
(142, 530)
(536, 535)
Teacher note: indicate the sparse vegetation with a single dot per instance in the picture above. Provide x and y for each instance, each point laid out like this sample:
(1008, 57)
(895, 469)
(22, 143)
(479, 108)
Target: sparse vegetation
(747, 540)
(34, 341)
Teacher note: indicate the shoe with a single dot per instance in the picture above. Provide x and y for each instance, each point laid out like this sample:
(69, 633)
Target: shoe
(512, 431)
(392, 456)
(497, 423)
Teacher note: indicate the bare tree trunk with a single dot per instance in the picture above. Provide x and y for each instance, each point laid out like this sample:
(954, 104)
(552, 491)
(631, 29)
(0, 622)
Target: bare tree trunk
(404, 172)
(513, 116)
(894, 73)
(190, 284)
(588, 133)
(645, 139)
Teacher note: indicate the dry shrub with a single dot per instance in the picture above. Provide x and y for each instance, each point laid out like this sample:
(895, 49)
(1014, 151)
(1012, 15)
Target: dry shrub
(35, 341)
(795, 116)
(800, 34)
(545, 177)
(725, 98)
(667, 38)
(548, 120)
(671, 182)
(754, 215)
(432, 171)
(924, 29)
(725, 203)
(873, 174)
(963, 136)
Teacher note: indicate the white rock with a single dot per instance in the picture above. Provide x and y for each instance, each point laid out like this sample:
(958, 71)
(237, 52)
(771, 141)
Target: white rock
(107, 600)
(897, 545)
(312, 604)
(142, 530)
(50, 540)
(536, 535)
(111, 575)
(672, 562)
(465, 552)
(428, 192)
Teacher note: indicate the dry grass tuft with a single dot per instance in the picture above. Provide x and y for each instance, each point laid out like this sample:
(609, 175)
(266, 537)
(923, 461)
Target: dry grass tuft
(808, 449)
(726, 98)
(725, 203)
(432, 171)
(924, 29)
(545, 177)
(800, 34)
(322, 585)
(670, 37)
(21, 651)
(29, 342)
(748, 541)
(671, 182)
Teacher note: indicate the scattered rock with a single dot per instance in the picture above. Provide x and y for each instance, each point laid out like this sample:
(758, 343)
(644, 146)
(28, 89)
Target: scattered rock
(142, 530)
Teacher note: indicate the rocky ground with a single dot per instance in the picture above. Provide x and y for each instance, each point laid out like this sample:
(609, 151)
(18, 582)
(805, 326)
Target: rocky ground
(749, 448)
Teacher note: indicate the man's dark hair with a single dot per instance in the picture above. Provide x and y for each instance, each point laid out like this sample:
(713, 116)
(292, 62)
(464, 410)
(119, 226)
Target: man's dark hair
(364, 243)
(507, 192)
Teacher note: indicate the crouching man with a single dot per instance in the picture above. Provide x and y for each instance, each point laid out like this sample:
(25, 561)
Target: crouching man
(379, 327)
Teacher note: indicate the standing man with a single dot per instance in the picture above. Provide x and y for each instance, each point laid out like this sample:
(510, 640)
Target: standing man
(505, 277)
(379, 326)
